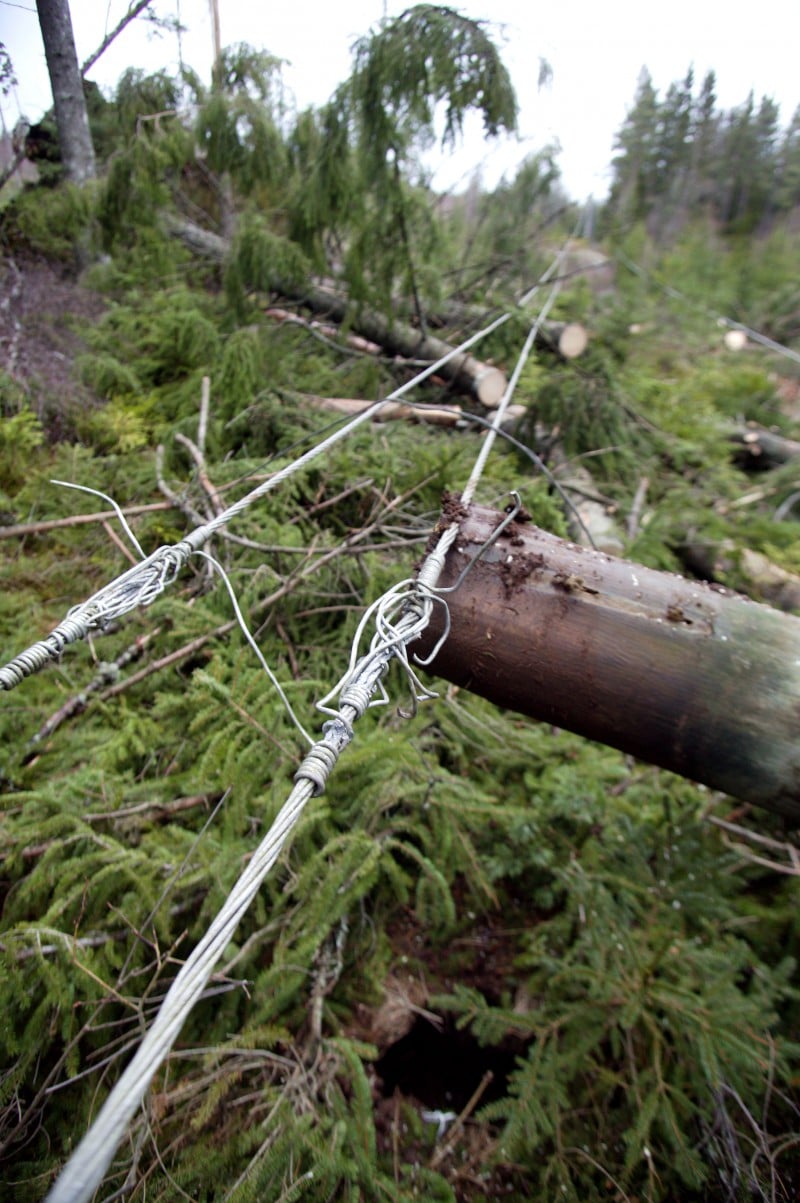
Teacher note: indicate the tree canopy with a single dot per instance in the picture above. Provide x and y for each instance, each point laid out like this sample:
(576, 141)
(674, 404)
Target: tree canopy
(679, 156)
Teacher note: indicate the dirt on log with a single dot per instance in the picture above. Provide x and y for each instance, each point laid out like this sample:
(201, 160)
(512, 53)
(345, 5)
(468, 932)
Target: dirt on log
(684, 675)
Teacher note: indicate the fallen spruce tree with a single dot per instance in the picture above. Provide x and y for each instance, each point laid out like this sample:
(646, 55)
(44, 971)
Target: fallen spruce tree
(684, 675)
(482, 380)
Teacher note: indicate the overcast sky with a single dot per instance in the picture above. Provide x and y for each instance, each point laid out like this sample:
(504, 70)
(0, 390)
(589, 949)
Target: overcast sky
(596, 51)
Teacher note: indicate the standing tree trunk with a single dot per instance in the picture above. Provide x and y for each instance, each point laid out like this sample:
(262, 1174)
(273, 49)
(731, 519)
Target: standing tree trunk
(77, 151)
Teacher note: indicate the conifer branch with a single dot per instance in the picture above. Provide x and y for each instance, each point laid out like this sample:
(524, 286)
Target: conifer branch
(133, 12)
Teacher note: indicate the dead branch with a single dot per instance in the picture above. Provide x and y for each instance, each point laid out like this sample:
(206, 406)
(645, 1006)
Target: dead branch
(120, 546)
(180, 503)
(445, 1148)
(202, 471)
(130, 15)
(155, 810)
(205, 405)
(106, 673)
(792, 853)
(634, 517)
(181, 653)
(21, 530)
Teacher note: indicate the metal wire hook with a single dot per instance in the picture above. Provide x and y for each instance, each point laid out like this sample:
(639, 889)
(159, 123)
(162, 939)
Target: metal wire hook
(442, 638)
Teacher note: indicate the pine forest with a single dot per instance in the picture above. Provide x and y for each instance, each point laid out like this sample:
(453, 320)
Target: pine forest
(498, 956)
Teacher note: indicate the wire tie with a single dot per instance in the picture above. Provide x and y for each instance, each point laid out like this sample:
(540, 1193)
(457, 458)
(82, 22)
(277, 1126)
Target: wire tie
(316, 767)
(338, 731)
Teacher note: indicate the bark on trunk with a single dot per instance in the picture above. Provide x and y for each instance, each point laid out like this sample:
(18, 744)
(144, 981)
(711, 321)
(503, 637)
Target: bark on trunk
(484, 381)
(569, 339)
(683, 675)
(77, 151)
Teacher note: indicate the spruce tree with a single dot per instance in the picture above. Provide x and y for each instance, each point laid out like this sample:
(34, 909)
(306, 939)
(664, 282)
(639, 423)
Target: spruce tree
(635, 163)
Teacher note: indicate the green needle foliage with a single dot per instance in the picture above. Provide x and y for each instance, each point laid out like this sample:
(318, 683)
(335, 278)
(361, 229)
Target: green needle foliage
(429, 55)
(526, 900)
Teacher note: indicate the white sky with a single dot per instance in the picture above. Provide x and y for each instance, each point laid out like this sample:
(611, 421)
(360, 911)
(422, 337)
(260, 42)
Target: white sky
(596, 50)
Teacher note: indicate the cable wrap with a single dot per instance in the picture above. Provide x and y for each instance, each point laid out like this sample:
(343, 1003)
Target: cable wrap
(139, 586)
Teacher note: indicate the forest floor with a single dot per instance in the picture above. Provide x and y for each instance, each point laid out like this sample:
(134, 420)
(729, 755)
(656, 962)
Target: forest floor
(517, 831)
(427, 1065)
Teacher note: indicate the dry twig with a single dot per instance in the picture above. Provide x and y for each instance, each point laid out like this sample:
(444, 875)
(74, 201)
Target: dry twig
(792, 853)
(21, 530)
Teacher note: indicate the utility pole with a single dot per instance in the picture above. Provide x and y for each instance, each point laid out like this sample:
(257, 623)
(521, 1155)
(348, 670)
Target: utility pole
(675, 672)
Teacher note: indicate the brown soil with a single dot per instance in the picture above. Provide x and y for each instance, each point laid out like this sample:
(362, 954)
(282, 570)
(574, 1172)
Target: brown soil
(428, 1067)
(42, 315)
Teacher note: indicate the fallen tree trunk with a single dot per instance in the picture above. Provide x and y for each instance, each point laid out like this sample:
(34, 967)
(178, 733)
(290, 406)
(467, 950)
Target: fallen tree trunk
(760, 448)
(391, 411)
(484, 381)
(683, 675)
(569, 339)
(745, 569)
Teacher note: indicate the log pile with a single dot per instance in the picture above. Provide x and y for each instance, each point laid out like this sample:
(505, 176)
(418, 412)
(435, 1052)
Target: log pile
(484, 381)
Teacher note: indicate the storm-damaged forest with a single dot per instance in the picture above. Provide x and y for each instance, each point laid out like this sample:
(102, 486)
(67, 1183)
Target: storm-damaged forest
(496, 959)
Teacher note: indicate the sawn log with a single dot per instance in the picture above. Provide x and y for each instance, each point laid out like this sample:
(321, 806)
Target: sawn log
(484, 381)
(683, 675)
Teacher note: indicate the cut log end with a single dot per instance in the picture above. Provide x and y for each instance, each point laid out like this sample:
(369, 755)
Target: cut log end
(735, 340)
(573, 340)
(489, 385)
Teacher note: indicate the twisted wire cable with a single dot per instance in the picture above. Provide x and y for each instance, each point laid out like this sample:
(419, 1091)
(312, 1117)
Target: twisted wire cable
(86, 1167)
(143, 583)
(412, 602)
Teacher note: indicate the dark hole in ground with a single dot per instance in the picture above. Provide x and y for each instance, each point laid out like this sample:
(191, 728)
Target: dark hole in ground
(442, 1068)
